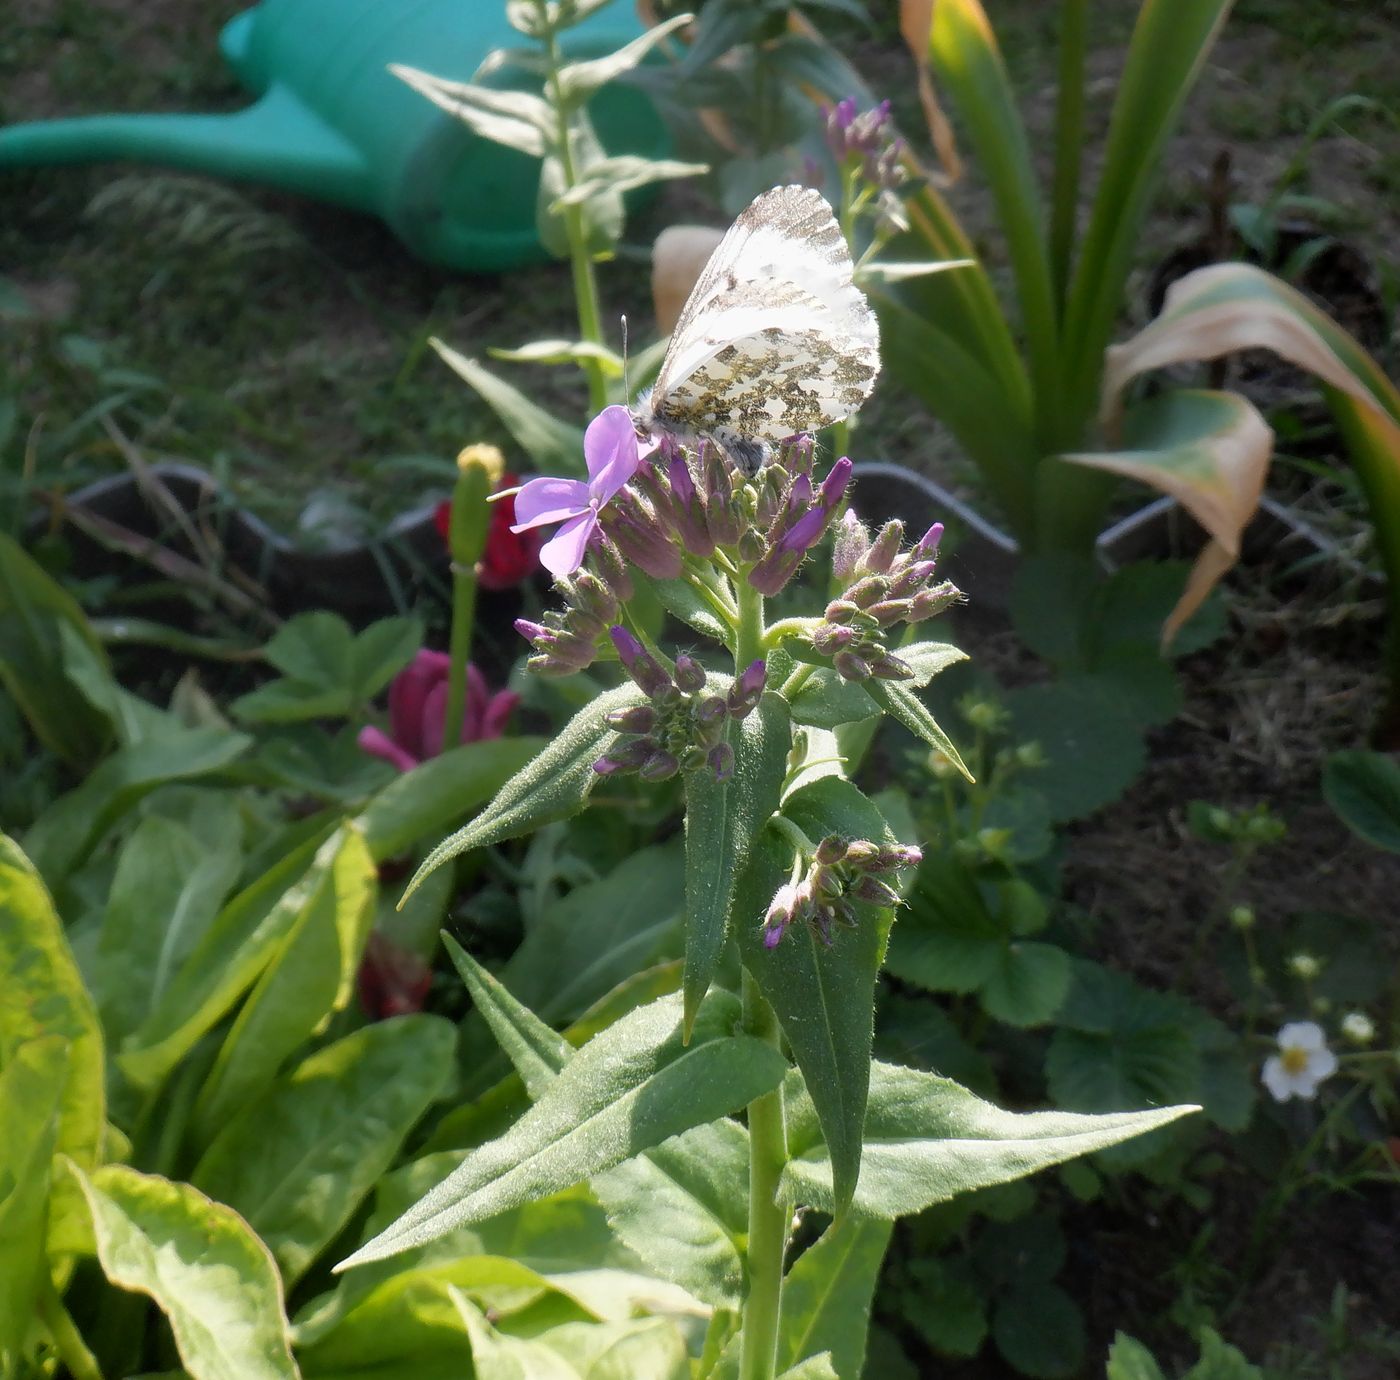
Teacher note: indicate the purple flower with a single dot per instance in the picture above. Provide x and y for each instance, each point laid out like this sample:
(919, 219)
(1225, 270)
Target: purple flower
(611, 451)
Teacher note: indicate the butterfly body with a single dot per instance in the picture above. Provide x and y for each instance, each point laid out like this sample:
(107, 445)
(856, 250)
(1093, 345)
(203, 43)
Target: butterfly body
(775, 338)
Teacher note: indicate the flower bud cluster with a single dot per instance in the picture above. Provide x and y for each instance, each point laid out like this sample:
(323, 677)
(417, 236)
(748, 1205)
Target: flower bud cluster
(791, 514)
(839, 873)
(565, 640)
(683, 726)
(868, 137)
(884, 586)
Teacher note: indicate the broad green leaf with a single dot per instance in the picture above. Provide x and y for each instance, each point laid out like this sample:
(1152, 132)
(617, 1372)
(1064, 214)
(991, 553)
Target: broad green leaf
(1128, 1359)
(33, 610)
(297, 1161)
(903, 705)
(66, 832)
(553, 786)
(928, 1140)
(380, 652)
(964, 55)
(437, 793)
(498, 1353)
(819, 1367)
(309, 977)
(682, 600)
(579, 80)
(948, 941)
(1220, 1361)
(827, 1296)
(827, 699)
(683, 1209)
(651, 1347)
(555, 447)
(1363, 789)
(130, 717)
(1028, 983)
(227, 961)
(722, 820)
(1170, 43)
(823, 996)
(41, 996)
(31, 1089)
(168, 887)
(211, 1277)
(629, 1088)
(516, 119)
(1039, 1330)
(535, 1050)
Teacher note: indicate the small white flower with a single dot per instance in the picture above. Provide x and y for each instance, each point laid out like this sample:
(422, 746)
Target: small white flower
(1302, 1062)
(1358, 1027)
(1305, 966)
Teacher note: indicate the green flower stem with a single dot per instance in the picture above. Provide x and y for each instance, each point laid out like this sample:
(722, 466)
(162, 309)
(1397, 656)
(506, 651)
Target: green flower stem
(460, 648)
(748, 633)
(793, 834)
(67, 1340)
(585, 283)
(768, 1214)
(800, 676)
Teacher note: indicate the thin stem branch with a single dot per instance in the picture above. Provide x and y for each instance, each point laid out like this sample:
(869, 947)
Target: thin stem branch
(460, 650)
(67, 1340)
(768, 1213)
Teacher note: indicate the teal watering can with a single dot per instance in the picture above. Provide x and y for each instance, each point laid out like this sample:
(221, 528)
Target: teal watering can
(332, 122)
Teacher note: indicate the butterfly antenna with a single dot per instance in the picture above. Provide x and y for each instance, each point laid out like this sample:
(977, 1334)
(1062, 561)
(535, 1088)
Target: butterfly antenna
(626, 382)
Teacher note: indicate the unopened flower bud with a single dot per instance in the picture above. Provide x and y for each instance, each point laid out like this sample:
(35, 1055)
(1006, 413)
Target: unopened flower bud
(693, 758)
(861, 853)
(747, 690)
(1242, 917)
(876, 892)
(828, 639)
(929, 603)
(644, 669)
(890, 667)
(1358, 1028)
(851, 666)
(890, 611)
(927, 546)
(660, 766)
(871, 590)
(883, 550)
(851, 543)
(831, 850)
(751, 546)
(711, 711)
(1304, 966)
(636, 718)
(690, 674)
(720, 759)
(840, 611)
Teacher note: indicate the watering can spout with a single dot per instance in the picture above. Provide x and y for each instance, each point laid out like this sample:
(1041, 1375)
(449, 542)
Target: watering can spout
(278, 141)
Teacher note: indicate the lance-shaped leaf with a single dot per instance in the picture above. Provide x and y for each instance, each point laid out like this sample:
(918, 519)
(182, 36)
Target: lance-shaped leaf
(211, 1277)
(517, 119)
(623, 173)
(297, 1161)
(579, 80)
(915, 23)
(311, 975)
(580, 352)
(1210, 451)
(1228, 307)
(827, 1295)
(553, 786)
(631, 1087)
(722, 820)
(681, 1206)
(903, 705)
(554, 446)
(927, 1140)
(823, 996)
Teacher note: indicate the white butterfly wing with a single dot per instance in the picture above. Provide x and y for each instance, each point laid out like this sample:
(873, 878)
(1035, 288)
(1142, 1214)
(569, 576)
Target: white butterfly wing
(775, 338)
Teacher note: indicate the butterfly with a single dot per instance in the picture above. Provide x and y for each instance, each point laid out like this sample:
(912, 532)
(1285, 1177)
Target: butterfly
(775, 338)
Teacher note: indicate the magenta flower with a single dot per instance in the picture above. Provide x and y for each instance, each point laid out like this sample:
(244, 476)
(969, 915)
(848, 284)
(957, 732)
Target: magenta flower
(418, 708)
(613, 455)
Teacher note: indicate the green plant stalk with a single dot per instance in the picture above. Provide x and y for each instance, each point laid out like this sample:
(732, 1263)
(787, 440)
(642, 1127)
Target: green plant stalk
(768, 1214)
(464, 585)
(1069, 144)
(581, 261)
(67, 1340)
(478, 471)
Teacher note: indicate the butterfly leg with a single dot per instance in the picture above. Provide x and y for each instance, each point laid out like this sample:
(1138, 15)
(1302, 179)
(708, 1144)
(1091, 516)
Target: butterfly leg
(746, 452)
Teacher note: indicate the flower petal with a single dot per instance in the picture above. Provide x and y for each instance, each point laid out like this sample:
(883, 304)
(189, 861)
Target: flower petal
(1277, 1079)
(549, 500)
(1322, 1064)
(378, 744)
(562, 554)
(1302, 1035)
(610, 448)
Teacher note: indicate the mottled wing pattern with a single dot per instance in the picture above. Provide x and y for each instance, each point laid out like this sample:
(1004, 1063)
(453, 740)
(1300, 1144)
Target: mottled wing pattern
(776, 338)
